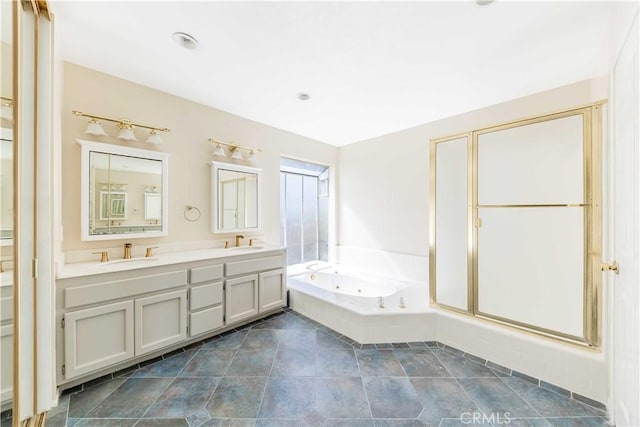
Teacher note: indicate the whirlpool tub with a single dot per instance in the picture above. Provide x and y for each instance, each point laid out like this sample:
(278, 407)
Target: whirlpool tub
(363, 307)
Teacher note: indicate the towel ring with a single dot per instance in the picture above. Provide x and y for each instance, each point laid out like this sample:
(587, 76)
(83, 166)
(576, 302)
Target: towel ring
(191, 217)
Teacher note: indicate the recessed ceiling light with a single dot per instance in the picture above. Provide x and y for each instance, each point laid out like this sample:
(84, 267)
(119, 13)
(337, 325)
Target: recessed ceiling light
(185, 40)
(303, 96)
(483, 2)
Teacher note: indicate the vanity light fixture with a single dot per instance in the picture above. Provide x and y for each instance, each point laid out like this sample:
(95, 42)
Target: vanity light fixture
(95, 128)
(126, 128)
(235, 150)
(236, 154)
(154, 138)
(219, 151)
(126, 131)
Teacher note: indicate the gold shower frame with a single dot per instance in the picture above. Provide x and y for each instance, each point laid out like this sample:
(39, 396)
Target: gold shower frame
(592, 180)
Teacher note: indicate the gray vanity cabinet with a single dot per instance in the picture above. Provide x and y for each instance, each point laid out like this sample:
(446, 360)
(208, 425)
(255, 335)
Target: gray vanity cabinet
(160, 320)
(115, 319)
(273, 289)
(250, 294)
(241, 301)
(206, 300)
(97, 337)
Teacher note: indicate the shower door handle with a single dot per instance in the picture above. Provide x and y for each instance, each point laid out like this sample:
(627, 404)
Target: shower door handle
(610, 267)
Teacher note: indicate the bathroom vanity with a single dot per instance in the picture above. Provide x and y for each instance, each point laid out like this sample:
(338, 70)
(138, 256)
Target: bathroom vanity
(116, 314)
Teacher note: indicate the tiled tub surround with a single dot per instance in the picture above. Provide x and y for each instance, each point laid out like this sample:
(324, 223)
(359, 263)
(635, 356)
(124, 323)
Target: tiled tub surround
(287, 370)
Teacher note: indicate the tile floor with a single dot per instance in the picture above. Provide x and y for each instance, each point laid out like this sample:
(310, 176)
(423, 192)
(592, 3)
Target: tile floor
(288, 371)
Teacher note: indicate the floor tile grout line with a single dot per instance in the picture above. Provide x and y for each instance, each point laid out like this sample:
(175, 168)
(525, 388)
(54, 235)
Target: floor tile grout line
(364, 388)
(569, 398)
(97, 404)
(187, 363)
(158, 397)
(266, 384)
(450, 350)
(458, 383)
(521, 397)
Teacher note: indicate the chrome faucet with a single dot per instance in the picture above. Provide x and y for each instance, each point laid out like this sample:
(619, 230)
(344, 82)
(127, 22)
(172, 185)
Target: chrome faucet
(127, 251)
(238, 238)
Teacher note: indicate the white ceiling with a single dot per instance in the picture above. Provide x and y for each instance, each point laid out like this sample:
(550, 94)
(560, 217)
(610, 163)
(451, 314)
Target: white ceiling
(371, 68)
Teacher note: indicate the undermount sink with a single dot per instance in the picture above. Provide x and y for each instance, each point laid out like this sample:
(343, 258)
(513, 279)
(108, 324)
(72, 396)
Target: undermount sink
(242, 248)
(130, 261)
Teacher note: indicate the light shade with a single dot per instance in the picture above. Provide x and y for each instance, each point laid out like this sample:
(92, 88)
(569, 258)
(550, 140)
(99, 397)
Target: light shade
(154, 138)
(219, 151)
(126, 132)
(252, 156)
(94, 128)
(236, 154)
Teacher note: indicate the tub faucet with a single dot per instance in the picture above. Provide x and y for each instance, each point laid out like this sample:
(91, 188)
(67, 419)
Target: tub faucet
(310, 266)
(238, 238)
(127, 251)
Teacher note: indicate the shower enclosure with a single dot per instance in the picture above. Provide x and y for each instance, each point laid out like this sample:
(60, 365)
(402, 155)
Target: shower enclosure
(515, 222)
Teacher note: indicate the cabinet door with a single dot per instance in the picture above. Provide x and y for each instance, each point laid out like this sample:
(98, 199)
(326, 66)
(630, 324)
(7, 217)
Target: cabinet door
(6, 362)
(273, 289)
(161, 320)
(241, 300)
(97, 337)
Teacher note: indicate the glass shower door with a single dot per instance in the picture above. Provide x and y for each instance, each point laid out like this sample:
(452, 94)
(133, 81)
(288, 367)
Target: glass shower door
(532, 206)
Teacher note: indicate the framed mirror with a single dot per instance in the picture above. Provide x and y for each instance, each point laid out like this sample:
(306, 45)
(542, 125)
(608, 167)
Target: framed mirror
(124, 192)
(235, 198)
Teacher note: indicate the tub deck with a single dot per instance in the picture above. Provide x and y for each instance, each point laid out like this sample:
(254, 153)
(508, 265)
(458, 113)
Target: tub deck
(361, 318)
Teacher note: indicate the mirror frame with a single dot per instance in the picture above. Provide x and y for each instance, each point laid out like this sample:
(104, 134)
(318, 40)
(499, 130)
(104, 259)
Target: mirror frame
(91, 146)
(215, 166)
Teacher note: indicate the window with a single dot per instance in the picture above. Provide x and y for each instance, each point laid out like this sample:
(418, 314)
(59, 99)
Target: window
(304, 210)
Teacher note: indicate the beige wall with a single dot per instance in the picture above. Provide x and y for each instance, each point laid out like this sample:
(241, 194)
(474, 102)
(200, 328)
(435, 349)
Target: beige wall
(189, 172)
(384, 182)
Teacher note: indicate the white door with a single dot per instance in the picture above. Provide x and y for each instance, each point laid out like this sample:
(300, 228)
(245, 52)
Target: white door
(626, 235)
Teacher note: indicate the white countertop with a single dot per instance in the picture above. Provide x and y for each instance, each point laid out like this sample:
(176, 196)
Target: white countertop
(91, 268)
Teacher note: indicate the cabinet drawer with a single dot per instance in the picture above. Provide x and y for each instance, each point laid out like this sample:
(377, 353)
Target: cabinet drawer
(253, 265)
(206, 274)
(206, 295)
(205, 321)
(105, 291)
